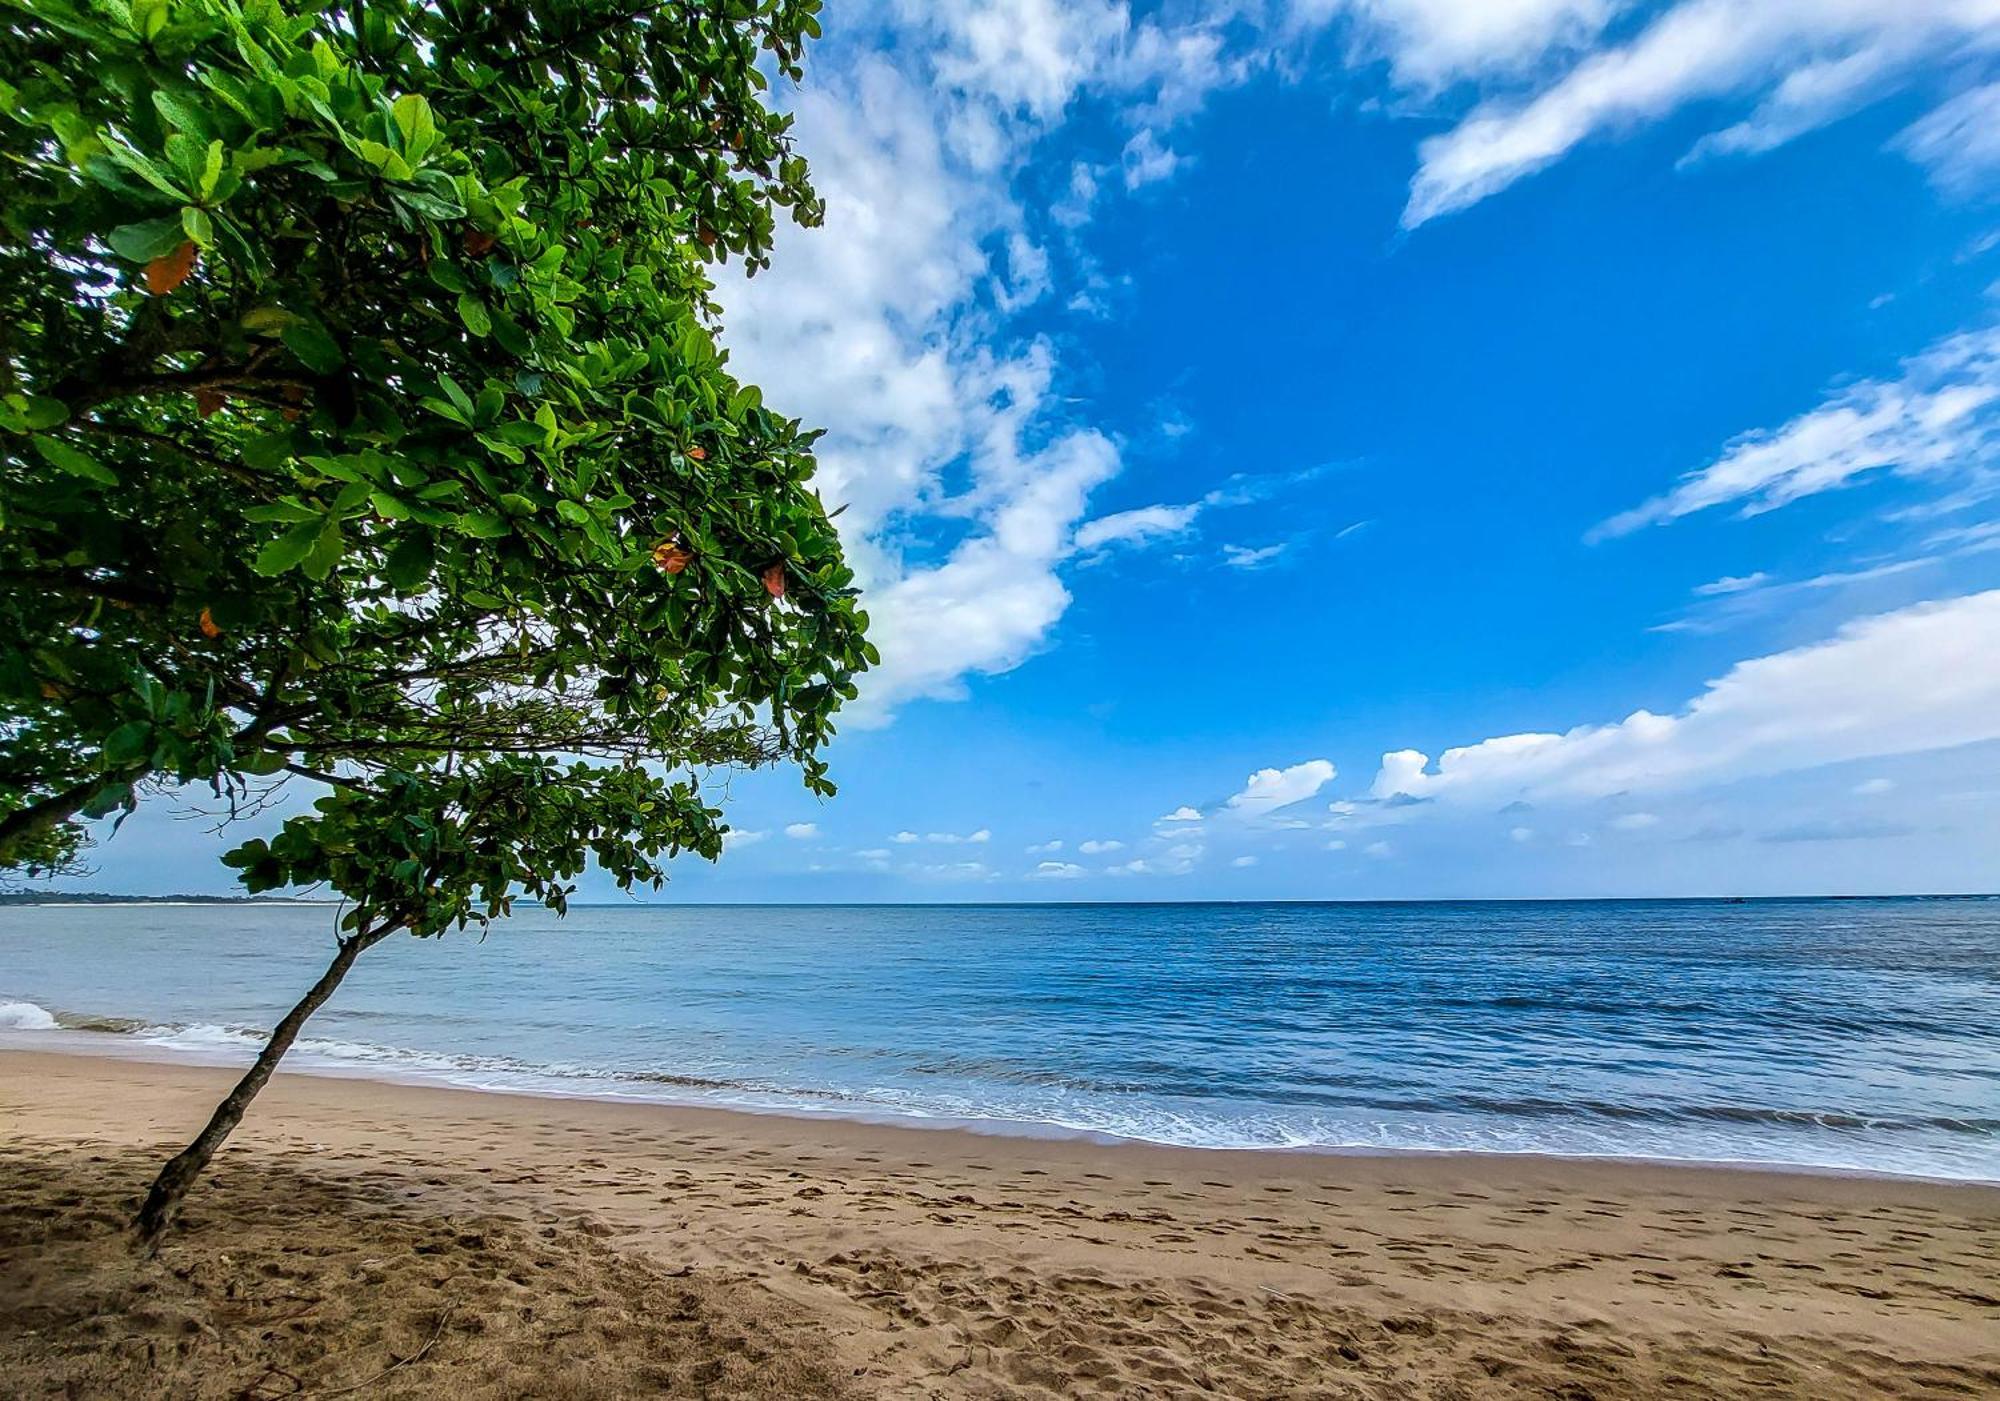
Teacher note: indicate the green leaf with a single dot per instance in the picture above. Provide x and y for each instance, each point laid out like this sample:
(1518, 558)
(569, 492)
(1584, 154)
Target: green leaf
(458, 396)
(195, 222)
(288, 550)
(128, 744)
(149, 239)
(268, 320)
(418, 126)
(211, 170)
(315, 348)
(33, 411)
(408, 566)
(146, 170)
(67, 457)
(387, 162)
(183, 115)
(269, 450)
(483, 525)
(326, 551)
(472, 312)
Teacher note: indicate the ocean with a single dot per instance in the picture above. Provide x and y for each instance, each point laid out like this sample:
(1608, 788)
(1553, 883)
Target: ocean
(1858, 1035)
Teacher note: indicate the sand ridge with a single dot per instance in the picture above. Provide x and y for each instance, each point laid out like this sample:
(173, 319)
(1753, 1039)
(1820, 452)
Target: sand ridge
(909, 1262)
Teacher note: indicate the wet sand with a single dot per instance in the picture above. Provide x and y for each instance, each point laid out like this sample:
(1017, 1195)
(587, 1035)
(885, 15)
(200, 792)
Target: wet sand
(397, 1240)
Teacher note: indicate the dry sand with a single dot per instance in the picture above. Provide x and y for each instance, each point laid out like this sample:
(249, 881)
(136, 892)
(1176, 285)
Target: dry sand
(377, 1240)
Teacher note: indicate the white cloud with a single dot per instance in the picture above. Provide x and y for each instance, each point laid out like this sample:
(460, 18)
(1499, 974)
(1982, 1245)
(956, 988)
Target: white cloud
(1146, 160)
(1634, 821)
(892, 326)
(1959, 143)
(1522, 834)
(1181, 814)
(955, 870)
(1267, 790)
(738, 836)
(1381, 851)
(1430, 43)
(1241, 862)
(1873, 787)
(1132, 527)
(905, 838)
(1056, 870)
(1336, 845)
(1809, 60)
(1731, 583)
(1246, 557)
(802, 831)
(1851, 697)
(1098, 848)
(1939, 416)
(1042, 848)
(874, 854)
(949, 838)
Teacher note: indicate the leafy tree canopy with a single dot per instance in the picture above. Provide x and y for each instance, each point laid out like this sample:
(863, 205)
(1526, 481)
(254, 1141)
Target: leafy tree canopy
(361, 417)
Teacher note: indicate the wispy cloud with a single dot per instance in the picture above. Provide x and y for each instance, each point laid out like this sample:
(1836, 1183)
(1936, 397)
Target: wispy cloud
(1804, 64)
(1938, 416)
(1959, 143)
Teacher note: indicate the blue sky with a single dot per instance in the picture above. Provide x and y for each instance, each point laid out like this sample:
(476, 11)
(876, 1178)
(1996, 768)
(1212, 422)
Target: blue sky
(1238, 407)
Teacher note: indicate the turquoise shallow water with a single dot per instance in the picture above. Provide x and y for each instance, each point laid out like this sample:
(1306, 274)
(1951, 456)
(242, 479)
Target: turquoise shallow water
(1849, 1034)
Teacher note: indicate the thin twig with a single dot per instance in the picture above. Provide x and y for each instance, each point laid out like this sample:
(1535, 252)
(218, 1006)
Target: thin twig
(416, 1356)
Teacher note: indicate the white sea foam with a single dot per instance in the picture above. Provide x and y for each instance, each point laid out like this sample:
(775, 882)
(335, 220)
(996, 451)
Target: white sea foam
(26, 1016)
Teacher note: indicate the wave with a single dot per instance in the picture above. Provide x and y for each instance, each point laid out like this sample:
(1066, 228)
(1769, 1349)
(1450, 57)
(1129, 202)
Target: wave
(25, 1016)
(1013, 1097)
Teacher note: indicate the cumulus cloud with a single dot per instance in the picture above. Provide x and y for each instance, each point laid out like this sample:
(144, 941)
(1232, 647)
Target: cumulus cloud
(1098, 848)
(1243, 862)
(1056, 870)
(1940, 415)
(738, 836)
(802, 831)
(893, 325)
(1850, 697)
(1267, 790)
(1041, 848)
(1805, 63)
(1182, 814)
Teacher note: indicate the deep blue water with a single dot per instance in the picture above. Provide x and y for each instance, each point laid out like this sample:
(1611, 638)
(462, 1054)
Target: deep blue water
(1861, 1034)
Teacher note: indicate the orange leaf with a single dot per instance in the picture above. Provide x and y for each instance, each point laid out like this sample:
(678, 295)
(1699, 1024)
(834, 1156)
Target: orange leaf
(478, 242)
(671, 557)
(170, 270)
(774, 579)
(698, 454)
(208, 625)
(209, 402)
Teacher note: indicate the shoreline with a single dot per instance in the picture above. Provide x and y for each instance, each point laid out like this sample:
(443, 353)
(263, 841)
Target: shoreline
(919, 1261)
(101, 1045)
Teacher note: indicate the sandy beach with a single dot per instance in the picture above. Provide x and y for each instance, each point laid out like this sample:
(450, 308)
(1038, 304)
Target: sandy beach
(388, 1240)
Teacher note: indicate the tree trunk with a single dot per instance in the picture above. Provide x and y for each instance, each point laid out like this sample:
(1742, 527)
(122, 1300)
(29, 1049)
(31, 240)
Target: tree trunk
(180, 1172)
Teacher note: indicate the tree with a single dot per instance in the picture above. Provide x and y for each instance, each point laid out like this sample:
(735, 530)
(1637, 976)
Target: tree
(363, 422)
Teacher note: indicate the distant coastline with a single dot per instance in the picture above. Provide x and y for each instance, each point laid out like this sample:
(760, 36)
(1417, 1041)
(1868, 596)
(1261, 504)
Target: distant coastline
(92, 897)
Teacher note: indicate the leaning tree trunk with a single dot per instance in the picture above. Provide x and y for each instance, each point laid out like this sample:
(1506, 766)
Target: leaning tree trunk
(164, 1200)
